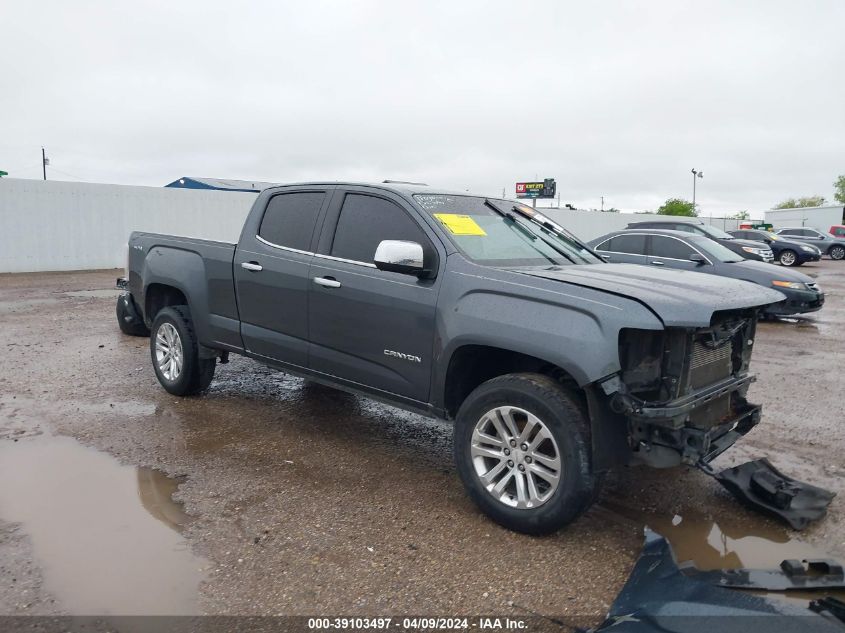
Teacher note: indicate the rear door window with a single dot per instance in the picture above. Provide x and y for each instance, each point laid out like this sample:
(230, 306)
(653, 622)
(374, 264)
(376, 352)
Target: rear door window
(670, 247)
(367, 220)
(630, 244)
(290, 219)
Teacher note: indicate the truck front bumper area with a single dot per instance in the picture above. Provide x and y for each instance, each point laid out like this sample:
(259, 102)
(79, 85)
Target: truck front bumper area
(662, 434)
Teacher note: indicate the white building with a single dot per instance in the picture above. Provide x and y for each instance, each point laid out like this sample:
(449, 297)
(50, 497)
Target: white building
(819, 218)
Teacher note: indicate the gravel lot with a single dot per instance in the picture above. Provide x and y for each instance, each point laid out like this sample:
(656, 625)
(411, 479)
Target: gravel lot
(297, 499)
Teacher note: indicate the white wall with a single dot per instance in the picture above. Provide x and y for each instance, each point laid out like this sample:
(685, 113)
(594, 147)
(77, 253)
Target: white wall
(76, 226)
(819, 218)
(588, 225)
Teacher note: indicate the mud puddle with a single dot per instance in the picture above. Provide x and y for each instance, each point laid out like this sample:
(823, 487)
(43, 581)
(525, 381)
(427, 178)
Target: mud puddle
(729, 543)
(106, 536)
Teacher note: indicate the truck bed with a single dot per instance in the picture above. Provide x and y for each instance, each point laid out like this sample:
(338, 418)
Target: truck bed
(201, 270)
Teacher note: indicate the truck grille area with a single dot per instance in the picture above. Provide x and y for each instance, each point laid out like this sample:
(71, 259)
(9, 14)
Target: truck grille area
(709, 364)
(660, 369)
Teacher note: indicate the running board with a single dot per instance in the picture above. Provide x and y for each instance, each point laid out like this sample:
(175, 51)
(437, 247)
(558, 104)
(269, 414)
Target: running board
(762, 487)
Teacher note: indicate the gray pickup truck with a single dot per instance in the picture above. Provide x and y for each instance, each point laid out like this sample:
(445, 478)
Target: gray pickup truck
(553, 365)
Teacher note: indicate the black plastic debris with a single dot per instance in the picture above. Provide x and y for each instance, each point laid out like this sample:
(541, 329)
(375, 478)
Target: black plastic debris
(814, 573)
(830, 607)
(659, 597)
(761, 486)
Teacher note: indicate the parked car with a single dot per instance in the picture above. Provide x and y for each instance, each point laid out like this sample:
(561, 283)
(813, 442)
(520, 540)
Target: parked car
(744, 248)
(837, 230)
(678, 249)
(552, 364)
(786, 252)
(833, 247)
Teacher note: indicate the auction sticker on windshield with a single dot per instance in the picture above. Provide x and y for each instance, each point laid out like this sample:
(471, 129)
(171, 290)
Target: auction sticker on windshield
(459, 224)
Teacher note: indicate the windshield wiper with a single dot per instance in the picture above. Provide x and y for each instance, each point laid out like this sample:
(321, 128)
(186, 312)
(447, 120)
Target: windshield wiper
(528, 232)
(532, 234)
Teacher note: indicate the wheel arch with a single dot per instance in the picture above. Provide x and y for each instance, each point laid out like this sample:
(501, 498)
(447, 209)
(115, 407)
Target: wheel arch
(472, 364)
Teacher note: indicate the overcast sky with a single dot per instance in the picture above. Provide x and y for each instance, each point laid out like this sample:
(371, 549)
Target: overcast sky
(613, 99)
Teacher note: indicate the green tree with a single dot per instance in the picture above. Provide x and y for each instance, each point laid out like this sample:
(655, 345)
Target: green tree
(740, 215)
(678, 206)
(839, 185)
(799, 203)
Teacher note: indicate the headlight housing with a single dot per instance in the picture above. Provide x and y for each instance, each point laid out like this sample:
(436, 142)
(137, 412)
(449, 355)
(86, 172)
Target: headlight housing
(795, 285)
(755, 251)
(809, 249)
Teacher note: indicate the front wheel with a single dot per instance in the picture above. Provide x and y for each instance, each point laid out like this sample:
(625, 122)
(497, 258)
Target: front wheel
(788, 257)
(837, 252)
(522, 451)
(175, 353)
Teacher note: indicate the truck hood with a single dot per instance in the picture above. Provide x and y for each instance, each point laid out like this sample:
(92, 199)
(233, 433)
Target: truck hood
(679, 298)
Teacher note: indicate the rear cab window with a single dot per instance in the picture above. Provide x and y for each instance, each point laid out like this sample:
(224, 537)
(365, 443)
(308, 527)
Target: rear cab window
(290, 218)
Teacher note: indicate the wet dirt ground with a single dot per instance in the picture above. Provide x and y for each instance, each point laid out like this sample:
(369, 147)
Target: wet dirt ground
(270, 495)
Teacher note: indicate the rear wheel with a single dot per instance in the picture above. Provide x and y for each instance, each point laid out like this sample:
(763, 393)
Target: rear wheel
(788, 257)
(837, 252)
(175, 353)
(522, 451)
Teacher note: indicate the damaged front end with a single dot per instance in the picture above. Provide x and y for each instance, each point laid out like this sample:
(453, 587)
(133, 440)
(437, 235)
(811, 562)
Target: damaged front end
(683, 390)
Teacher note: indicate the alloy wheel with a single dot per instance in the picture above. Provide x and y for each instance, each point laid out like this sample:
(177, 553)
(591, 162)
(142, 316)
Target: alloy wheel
(516, 457)
(787, 258)
(169, 354)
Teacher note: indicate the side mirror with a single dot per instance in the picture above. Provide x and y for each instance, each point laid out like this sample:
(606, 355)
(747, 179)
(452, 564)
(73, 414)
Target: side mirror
(698, 259)
(400, 257)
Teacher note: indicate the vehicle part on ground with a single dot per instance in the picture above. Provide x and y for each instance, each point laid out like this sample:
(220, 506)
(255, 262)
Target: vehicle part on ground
(521, 449)
(761, 486)
(829, 607)
(659, 597)
(128, 319)
(175, 354)
(814, 573)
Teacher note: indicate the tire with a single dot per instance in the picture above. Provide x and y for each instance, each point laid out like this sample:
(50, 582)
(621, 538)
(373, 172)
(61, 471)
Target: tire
(127, 322)
(837, 252)
(788, 257)
(174, 330)
(524, 399)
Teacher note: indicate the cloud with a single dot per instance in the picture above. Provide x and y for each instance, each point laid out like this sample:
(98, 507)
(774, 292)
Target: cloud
(613, 99)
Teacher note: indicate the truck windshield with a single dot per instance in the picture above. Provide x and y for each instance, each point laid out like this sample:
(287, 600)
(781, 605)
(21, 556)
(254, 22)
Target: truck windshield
(492, 238)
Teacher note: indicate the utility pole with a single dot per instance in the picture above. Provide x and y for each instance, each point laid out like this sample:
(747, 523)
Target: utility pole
(602, 203)
(44, 162)
(695, 174)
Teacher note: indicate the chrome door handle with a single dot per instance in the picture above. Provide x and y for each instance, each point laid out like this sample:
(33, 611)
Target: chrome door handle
(328, 282)
(252, 266)
(657, 264)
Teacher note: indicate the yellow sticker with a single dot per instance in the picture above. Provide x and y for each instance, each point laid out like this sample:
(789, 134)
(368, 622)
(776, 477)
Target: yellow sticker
(460, 224)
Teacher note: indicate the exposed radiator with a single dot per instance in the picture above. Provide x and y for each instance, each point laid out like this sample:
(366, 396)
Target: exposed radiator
(709, 364)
